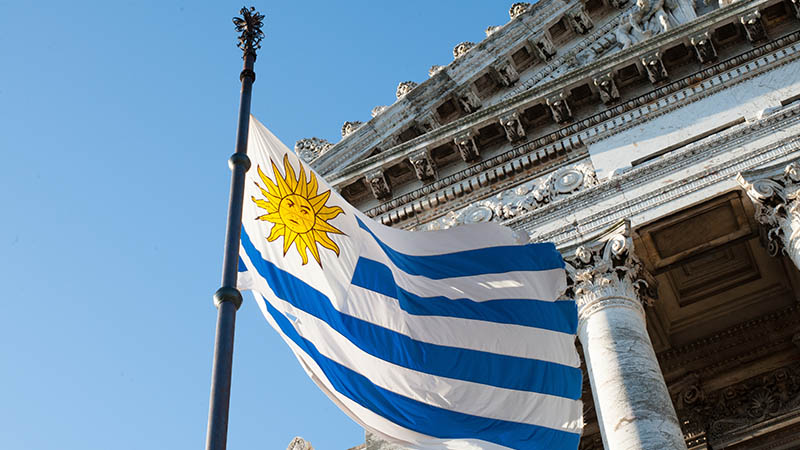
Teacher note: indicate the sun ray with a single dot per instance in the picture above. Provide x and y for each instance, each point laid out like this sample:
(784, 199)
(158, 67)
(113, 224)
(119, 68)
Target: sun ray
(299, 215)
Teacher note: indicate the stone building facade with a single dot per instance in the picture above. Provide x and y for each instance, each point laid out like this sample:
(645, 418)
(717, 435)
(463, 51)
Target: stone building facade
(657, 143)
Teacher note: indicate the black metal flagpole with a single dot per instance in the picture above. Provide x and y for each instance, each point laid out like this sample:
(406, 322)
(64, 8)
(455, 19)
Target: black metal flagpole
(228, 299)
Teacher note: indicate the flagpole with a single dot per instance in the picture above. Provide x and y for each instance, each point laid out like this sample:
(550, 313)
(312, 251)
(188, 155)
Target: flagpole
(228, 299)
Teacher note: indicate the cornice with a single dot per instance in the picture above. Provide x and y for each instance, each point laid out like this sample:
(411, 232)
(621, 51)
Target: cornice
(602, 64)
(726, 170)
(597, 127)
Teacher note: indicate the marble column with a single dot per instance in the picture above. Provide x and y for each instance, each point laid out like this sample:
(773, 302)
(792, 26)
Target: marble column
(634, 409)
(774, 191)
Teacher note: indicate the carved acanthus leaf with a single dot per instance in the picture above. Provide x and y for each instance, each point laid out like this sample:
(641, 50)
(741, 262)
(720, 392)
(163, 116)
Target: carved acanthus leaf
(310, 148)
(350, 127)
(462, 49)
(404, 88)
(517, 9)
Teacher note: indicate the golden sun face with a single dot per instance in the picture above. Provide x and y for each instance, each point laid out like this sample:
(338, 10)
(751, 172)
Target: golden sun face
(297, 212)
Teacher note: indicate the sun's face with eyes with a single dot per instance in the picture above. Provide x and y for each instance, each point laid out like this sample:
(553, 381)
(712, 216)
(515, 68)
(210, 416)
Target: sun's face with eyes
(297, 212)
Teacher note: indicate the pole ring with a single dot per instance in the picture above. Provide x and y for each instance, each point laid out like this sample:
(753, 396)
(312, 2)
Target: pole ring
(228, 294)
(239, 158)
(247, 73)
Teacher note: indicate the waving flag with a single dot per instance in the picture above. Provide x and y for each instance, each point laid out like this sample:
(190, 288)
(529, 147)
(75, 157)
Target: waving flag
(434, 340)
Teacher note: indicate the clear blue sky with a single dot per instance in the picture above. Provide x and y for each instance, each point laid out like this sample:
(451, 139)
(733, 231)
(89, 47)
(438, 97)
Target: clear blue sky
(116, 120)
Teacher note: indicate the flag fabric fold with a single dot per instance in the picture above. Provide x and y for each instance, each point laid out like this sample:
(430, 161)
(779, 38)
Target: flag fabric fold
(434, 340)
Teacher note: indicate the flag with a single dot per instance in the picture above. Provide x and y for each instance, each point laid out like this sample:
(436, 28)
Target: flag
(448, 339)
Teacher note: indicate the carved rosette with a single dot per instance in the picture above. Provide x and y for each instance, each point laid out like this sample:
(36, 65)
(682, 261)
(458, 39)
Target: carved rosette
(310, 148)
(656, 71)
(704, 47)
(462, 49)
(513, 127)
(349, 127)
(607, 87)
(404, 88)
(518, 9)
(467, 147)
(423, 165)
(754, 27)
(378, 110)
(379, 185)
(777, 209)
(608, 273)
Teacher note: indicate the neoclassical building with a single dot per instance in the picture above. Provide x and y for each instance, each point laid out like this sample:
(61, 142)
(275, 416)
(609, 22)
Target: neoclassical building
(657, 143)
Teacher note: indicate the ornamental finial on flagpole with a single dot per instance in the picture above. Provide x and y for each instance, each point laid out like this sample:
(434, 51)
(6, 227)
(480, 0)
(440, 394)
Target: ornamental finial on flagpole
(250, 26)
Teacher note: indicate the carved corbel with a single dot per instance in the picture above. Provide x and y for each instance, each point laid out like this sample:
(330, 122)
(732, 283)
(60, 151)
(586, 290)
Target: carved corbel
(704, 47)
(469, 100)
(467, 147)
(428, 122)
(513, 127)
(379, 185)
(607, 88)
(796, 6)
(424, 167)
(544, 47)
(507, 75)
(754, 27)
(656, 71)
(560, 108)
(579, 20)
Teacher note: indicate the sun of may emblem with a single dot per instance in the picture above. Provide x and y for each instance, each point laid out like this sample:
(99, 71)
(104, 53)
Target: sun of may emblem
(297, 212)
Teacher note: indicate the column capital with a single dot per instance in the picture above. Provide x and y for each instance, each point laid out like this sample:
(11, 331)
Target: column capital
(774, 192)
(606, 272)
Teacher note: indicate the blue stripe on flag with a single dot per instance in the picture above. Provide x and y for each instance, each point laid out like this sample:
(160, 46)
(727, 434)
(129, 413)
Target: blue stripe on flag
(242, 267)
(498, 259)
(559, 316)
(421, 417)
(493, 369)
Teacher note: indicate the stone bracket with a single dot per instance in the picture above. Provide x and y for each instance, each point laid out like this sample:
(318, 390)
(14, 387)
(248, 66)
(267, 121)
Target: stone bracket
(513, 127)
(607, 87)
(580, 20)
(656, 71)
(467, 147)
(754, 27)
(704, 47)
(424, 167)
(469, 100)
(544, 47)
(506, 74)
(379, 185)
(560, 108)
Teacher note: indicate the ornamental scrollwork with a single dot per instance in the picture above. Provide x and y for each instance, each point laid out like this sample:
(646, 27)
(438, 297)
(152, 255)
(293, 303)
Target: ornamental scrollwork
(522, 199)
(775, 199)
(249, 25)
(311, 148)
(404, 88)
(349, 127)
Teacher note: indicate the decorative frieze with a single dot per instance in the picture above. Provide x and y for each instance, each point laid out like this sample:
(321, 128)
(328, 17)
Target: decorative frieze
(754, 27)
(559, 108)
(462, 49)
(518, 9)
(579, 20)
(404, 88)
(513, 127)
(656, 71)
(607, 88)
(775, 192)
(704, 47)
(523, 198)
(350, 127)
(310, 148)
(424, 167)
(379, 185)
(467, 147)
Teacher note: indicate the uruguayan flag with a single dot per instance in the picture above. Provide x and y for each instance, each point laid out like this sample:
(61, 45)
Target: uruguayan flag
(434, 340)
